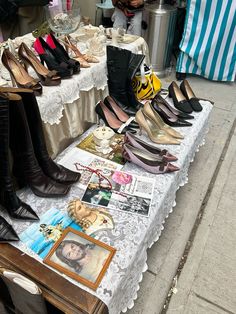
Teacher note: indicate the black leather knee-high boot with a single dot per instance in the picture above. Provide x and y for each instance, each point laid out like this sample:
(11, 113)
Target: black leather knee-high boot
(122, 65)
(8, 198)
(49, 167)
(25, 167)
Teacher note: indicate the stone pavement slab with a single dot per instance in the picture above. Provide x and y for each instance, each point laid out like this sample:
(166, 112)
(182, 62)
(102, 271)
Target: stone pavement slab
(210, 269)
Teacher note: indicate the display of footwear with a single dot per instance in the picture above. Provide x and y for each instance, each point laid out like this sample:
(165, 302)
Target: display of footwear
(78, 55)
(154, 116)
(47, 78)
(48, 56)
(51, 169)
(168, 116)
(7, 233)
(134, 141)
(18, 74)
(119, 81)
(121, 115)
(153, 131)
(8, 198)
(180, 102)
(26, 168)
(146, 160)
(111, 120)
(164, 103)
(61, 53)
(190, 96)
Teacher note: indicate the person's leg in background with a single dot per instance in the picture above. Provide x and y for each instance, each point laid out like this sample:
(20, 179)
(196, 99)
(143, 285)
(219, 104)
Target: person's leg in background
(135, 24)
(119, 19)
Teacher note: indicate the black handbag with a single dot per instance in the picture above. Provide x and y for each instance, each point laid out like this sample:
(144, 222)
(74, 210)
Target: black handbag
(8, 10)
(31, 3)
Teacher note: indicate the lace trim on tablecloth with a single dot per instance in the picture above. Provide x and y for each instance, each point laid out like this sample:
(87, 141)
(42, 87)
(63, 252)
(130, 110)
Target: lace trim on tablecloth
(133, 234)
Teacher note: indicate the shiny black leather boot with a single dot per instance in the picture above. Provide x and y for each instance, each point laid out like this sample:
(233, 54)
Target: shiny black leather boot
(121, 68)
(50, 168)
(25, 167)
(8, 198)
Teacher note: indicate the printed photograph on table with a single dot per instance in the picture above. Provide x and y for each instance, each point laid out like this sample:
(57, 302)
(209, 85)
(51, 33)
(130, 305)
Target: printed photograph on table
(80, 257)
(40, 237)
(120, 191)
(114, 155)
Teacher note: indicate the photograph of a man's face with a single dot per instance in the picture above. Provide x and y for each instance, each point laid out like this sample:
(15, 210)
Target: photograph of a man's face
(80, 257)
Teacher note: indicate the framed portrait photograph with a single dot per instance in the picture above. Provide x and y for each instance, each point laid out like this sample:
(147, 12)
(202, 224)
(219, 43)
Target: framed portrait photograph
(80, 257)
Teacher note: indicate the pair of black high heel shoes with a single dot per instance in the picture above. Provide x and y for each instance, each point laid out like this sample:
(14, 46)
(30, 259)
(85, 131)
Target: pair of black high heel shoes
(184, 98)
(114, 117)
(56, 57)
(21, 131)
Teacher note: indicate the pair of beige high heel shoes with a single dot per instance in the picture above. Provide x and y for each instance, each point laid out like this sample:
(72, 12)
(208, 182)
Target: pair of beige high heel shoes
(83, 58)
(158, 131)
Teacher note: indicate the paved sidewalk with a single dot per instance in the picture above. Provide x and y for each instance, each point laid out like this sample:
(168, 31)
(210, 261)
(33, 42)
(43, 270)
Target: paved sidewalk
(195, 256)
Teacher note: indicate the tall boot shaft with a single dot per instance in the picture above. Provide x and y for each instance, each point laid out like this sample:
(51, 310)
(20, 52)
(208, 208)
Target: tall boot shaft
(8, 198)
(49, 167)
(26, 167)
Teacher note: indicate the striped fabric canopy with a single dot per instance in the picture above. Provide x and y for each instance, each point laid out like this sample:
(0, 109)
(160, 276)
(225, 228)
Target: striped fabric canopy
(208, 46)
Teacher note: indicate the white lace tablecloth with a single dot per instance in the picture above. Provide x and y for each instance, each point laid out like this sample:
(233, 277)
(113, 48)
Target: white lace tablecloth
(53, 100)
(133, 234)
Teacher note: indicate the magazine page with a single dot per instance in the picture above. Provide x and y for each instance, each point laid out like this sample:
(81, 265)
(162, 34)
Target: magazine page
(120, 191)
(77, 160)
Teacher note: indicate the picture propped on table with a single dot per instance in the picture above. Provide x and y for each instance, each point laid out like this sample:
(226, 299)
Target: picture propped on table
(81, 257)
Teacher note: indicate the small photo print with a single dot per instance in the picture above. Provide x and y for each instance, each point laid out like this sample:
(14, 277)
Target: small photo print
(81, 257)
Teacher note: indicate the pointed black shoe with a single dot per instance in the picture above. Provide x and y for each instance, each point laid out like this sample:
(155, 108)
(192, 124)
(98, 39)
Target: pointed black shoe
(120, 114)
(179, 114)
(61, 53)
(53, 170)
(111, 120)
(7, 233)
(180, 102)
(190, 96)
(8, 198)
(168, 117)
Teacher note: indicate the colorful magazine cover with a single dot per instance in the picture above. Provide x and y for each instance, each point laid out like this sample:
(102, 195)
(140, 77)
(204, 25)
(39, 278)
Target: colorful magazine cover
(120, 191)
(115, 155)
(40, 237)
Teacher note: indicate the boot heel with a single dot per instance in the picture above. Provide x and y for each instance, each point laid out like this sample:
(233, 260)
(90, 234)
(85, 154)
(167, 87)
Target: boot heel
(21, 182)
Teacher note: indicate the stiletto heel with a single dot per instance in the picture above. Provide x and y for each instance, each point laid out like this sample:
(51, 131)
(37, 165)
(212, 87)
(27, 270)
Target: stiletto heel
(78, 55)
(13, 80)
(155, 134)
(180, 102)
(140, 130)
(61, 53)
(153, 115)
(111, 120)
(48, 78)
(18, 74)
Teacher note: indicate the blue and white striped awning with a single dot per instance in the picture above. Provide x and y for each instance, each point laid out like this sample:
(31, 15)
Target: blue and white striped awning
(208, 46)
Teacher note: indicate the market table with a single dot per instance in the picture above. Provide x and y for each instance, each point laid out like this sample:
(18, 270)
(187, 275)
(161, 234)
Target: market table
(67, 110)
(133, 234)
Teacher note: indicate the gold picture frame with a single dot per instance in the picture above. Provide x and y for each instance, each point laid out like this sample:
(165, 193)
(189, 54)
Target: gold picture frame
(80, 257)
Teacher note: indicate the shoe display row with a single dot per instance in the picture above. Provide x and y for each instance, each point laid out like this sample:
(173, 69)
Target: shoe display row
(59, 65)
